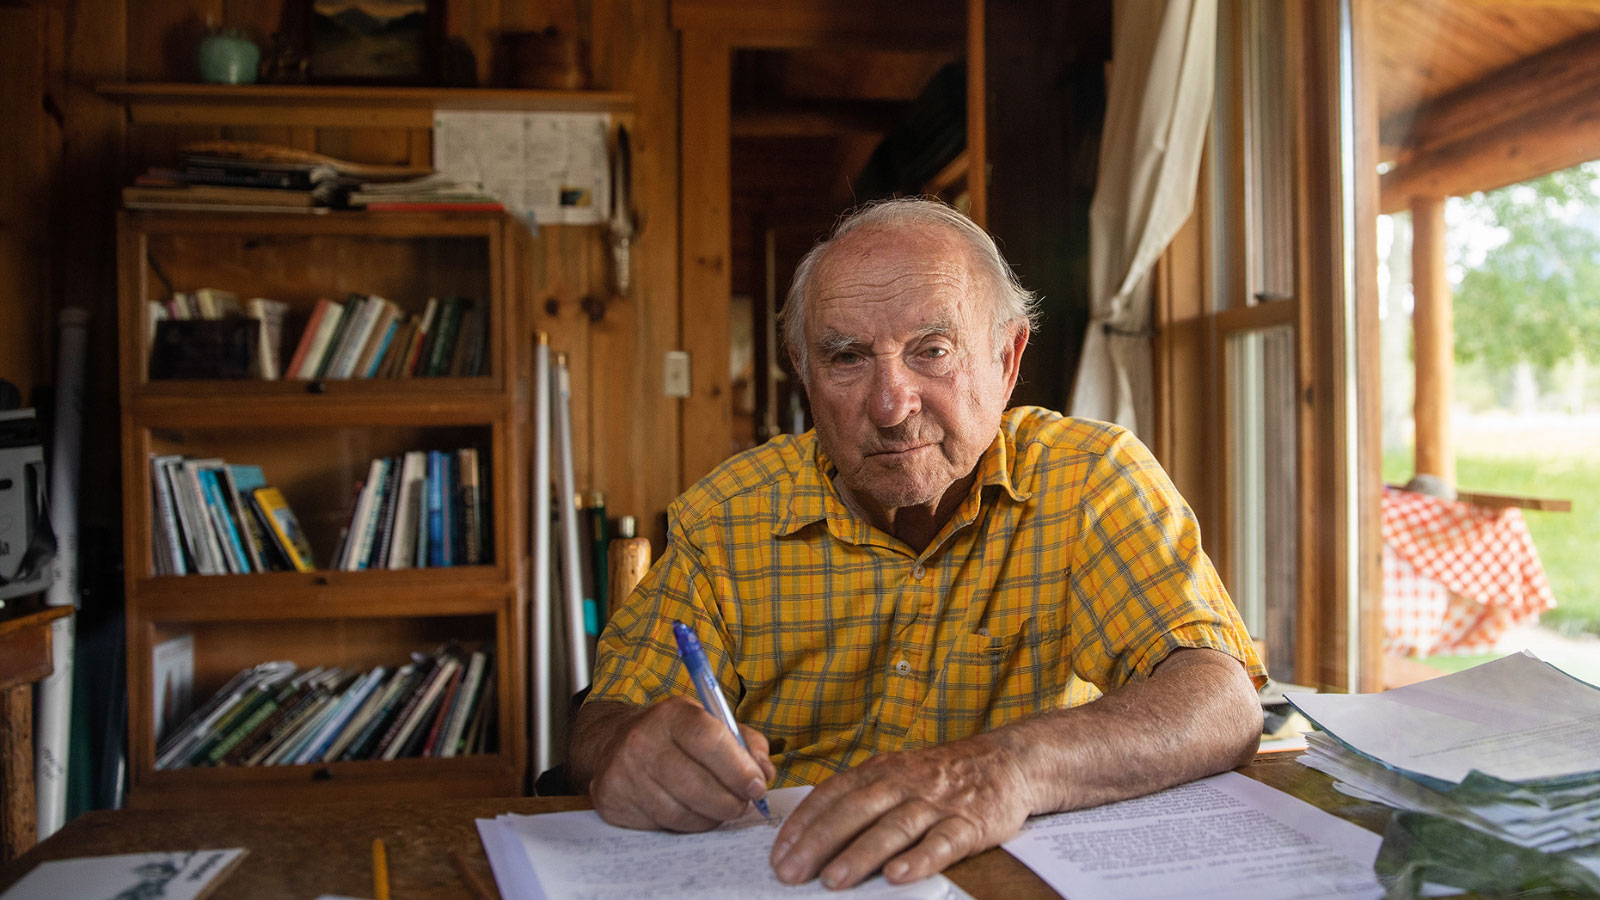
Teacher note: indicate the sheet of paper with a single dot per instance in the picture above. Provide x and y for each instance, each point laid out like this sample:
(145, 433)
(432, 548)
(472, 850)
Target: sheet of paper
(1222, 837)
(577, 856)
(1517, 718)
(178, 875)
(553, 167)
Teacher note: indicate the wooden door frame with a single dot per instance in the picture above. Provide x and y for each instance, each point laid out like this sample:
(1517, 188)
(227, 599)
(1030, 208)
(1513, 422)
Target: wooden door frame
(709, 31)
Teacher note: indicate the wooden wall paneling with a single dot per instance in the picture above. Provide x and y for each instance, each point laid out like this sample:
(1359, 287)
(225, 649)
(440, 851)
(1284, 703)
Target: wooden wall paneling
(383, 146)
(558, 276)
(25, 160)
(161, 37)
(477, 24)
(707, 412)
(84, 263)
(634, 48)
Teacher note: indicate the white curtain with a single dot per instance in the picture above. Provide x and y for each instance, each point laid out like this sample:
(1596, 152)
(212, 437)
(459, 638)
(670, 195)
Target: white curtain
(1158, 105)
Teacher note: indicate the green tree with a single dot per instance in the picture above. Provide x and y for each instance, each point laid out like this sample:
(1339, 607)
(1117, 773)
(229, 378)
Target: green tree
(1536, 297)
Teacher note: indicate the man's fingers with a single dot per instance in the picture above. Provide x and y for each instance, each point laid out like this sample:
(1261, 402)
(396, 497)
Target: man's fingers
(949, 841)
(825, 823)
(760, 751)
(908, 825)
(681, 769)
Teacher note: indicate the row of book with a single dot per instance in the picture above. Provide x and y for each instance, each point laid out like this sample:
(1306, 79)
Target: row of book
(196, 333)
(419, 509)
(370, 337)
(440, 704)
(214, 518)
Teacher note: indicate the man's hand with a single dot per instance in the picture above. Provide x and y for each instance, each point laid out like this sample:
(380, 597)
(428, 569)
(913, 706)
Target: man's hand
(910, 813)
(669, 766)
(916, 812)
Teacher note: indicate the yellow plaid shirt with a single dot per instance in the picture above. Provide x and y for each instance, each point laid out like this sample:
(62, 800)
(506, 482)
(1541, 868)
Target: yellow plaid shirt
(1072, 567)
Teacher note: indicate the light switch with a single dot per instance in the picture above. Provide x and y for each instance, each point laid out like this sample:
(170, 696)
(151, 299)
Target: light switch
(675, 374)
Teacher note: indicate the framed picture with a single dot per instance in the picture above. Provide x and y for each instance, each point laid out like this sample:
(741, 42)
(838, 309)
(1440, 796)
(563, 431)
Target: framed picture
(375, 41)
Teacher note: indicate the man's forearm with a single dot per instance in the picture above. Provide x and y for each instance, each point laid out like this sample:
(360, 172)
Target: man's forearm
(596, 729)
(1197, 715)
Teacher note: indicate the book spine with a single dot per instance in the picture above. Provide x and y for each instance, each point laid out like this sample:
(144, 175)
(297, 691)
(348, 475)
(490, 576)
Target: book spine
(194, 523)
(470, 686)
(382, 684)
(422, 700)
(407, 706)
(243, 523)
(284, 527)
(436, 529)
(349, 700)
(166, 508)
(340, 326)
(447, 702)
(378, 557)
(472, 512)
(405, 681)
(443, 346)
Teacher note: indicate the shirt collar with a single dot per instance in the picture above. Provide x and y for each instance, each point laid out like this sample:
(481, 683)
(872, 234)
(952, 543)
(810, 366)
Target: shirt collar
(815, 497)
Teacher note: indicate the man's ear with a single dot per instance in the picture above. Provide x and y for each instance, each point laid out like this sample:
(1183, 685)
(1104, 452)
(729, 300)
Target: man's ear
(1011, 355)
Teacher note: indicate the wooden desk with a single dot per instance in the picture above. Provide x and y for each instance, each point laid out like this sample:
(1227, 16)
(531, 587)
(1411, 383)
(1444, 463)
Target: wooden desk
(326, 849)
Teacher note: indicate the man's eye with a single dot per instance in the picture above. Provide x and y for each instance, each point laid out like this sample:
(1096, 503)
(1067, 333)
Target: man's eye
(935, 352)
(846, 358)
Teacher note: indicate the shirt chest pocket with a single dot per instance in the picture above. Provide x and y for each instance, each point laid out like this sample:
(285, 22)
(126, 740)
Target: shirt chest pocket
(1013, 671)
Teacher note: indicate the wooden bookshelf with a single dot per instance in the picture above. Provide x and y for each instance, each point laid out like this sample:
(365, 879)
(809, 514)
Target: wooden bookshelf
(301, 105)
(314, 440)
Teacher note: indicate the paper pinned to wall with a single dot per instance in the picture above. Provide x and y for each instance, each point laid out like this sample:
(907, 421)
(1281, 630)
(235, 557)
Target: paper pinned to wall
(550, 167)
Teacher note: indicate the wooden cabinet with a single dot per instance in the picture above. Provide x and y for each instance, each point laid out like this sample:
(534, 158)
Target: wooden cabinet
(314, 441)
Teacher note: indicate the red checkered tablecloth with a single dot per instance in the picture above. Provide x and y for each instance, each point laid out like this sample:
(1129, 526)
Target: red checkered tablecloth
(1455, 576)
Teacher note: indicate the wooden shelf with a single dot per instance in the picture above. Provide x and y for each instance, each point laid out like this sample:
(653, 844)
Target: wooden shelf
(251, 404)
(276, 596)
(161, 103)
(480, 775)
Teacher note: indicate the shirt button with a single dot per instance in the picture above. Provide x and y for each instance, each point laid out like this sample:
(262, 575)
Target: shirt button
(903, 667)
(983, 632)
(918, 572)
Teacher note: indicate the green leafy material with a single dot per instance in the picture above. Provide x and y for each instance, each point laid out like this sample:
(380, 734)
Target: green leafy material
(1420, 848)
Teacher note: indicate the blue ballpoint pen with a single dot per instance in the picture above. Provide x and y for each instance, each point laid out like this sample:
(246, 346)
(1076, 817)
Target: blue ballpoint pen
(694, 659)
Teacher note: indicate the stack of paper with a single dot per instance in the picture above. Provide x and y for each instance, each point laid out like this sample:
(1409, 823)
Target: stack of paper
(1508, 748)
(576, 854)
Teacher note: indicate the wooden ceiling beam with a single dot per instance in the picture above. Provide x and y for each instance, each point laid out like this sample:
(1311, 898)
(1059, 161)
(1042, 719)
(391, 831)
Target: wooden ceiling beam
(885, 24)
(1534, 117)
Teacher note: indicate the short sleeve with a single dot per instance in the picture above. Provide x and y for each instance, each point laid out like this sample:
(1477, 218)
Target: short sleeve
(636, 659)
(1142, 586)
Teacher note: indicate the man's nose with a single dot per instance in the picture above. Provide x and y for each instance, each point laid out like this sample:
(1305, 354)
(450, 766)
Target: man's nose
(895, 397)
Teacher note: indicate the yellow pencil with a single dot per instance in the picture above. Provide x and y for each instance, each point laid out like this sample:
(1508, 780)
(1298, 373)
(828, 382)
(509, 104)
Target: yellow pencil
(380, 870)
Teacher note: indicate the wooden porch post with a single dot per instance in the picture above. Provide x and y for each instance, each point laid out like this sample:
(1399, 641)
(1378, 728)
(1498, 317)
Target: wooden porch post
(1433, 332)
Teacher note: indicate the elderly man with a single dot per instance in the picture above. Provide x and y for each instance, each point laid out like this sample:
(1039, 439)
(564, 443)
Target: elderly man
(946, 615)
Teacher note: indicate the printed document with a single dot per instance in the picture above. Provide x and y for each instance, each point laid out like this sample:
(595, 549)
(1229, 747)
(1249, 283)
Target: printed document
(183, 875)
(577, 856)
(1517, 719)
(1225, 837)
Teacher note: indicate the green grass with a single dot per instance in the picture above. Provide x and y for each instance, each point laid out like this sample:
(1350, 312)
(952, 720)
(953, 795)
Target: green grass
(1566, 541)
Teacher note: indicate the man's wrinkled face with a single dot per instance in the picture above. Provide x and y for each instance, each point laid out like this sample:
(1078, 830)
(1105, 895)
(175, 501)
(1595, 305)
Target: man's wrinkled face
(906, 384)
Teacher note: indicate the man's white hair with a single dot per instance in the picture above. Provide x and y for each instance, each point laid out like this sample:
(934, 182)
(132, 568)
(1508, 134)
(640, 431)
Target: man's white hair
(1010, 303)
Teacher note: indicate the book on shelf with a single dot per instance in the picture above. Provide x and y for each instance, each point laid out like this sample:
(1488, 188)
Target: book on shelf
(314, 338)
(172, 678)
(285, 528)
(422, 509)
(272, 314)
(207, 519)
(367, 336)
